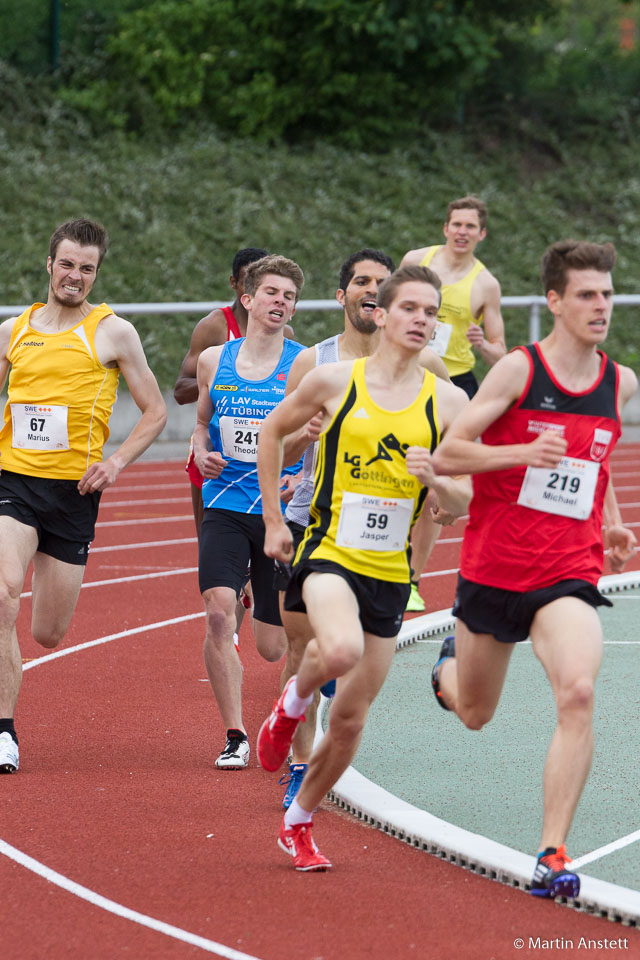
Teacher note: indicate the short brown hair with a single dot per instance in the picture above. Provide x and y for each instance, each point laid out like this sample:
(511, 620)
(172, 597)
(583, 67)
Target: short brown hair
(87, 233)
(567, 255)
(388, 288)
(469, 203)
(281, 266)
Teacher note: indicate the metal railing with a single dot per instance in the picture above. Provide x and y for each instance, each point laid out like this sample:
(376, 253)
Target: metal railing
(202, 307)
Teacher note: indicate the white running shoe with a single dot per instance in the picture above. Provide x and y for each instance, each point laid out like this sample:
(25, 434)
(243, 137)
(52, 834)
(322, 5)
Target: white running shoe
(235, 755)
(8, 753)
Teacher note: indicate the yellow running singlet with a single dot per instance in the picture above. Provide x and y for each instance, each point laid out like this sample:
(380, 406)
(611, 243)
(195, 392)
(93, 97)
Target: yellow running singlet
(60, 399)
(449, 339)
(365, 502)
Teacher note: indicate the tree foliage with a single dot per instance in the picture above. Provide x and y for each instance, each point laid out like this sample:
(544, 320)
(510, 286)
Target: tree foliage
(354, 69)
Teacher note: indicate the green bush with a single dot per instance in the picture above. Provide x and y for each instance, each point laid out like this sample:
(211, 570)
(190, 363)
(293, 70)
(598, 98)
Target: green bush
(361, 71)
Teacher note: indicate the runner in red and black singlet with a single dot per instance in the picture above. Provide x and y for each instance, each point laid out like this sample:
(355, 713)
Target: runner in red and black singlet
(548, 417)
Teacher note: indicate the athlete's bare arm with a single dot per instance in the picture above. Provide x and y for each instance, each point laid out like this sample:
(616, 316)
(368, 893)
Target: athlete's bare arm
(459, 453)
(453, 493)
(488, 340)
(413, 258)
(620, 540)
(118, 345)
(5, 338)
(209, 462)
(296, 444)
(211, 331)
(319, 392)
(431, 361)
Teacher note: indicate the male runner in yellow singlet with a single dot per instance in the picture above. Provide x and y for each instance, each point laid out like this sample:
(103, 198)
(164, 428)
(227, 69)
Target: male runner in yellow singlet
(469, 320)
(361, 275)
(383, 416)
(63, 358)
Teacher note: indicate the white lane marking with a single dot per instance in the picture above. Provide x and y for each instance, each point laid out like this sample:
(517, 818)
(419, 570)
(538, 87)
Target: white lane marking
(606, 850)
(143, 487)
(132, 523)
(142, 502)
(142, 545)
(138, 576)
(211, 946)
(438, 573)
(112, 636)
(219, 949)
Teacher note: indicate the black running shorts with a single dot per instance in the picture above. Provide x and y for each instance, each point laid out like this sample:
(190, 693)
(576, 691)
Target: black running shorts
(507, 614)
(381, 604)
(228, 542)
(65, 519)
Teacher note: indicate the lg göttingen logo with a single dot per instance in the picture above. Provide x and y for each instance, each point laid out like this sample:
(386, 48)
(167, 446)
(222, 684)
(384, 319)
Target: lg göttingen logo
(387, 447)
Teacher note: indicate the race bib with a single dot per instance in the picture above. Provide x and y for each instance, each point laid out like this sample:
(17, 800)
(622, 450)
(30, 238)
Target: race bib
(239, 437)
(440, 337)
(39, 426)
(374, 523)
(567, 490)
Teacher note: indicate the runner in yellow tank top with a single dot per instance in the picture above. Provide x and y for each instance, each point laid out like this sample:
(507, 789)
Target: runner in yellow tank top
(470, 294)
(63, 359)
(469, 320)
(365, 502)
(382, 418)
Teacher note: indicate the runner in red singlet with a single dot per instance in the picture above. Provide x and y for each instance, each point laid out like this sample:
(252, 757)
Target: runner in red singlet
(548, 418)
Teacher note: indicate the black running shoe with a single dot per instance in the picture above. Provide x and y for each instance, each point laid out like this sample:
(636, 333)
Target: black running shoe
(551, 879)
(447, 650)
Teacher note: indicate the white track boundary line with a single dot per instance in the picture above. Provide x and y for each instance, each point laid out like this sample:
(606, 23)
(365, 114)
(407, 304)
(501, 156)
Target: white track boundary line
(219, 949)
(607, 849)
(143, 543)
(376, 806)
(131, 579)
(83, 892)
(112, 636)
(137, 522)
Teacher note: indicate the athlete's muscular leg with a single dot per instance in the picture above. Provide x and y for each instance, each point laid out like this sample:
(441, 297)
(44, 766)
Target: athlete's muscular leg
(271, 640)
(355, 693)
(567, 639)
(18, 543)
(338, 641)
(223, 666)
(198, 512)
(56, 587)
(472, 681)
(198, 509)
(299, 633)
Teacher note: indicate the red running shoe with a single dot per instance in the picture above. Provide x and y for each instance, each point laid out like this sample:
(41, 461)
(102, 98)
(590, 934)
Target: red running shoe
(299, 844)
(276, 735)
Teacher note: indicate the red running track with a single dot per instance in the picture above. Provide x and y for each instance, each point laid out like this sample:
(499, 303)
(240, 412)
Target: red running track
(117, 792)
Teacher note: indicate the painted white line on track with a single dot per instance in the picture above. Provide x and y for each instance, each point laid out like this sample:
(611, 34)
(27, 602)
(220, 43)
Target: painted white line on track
(131, 579)
(136, 522)
(144, 488)
(112, 636)
(96, 900)
(211, 946)
(142, 502)
(438, 573)
(142, 545)
(606, 850)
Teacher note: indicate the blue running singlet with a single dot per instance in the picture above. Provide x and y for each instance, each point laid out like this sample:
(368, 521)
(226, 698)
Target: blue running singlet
(239, 407)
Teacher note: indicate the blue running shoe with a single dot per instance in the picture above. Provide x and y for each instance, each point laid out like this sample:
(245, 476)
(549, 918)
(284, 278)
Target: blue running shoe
(293, 781)
(328, 689)
(551, 879)
(447, 650)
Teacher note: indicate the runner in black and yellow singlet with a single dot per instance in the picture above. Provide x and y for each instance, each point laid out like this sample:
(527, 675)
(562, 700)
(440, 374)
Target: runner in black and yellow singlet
(383, 417)
(365, 502)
